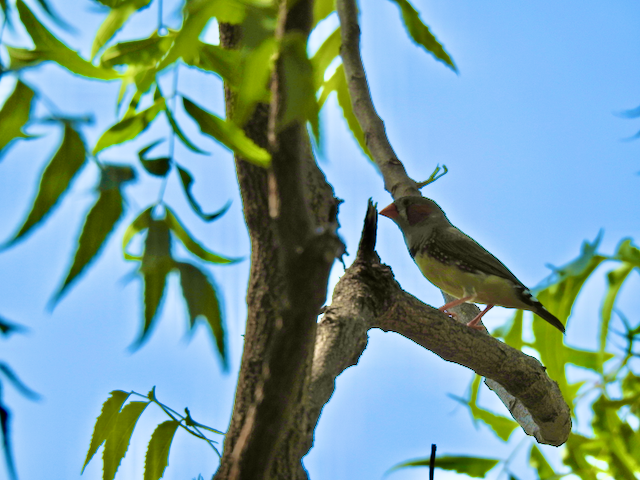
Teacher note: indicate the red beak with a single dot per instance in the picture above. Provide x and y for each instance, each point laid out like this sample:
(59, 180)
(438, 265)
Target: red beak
(390, 211)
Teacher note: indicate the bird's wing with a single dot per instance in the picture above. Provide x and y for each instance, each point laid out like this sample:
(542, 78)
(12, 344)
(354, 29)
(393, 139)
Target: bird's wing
(456, 247)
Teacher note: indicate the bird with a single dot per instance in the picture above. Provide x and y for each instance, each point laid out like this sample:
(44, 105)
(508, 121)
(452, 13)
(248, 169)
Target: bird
(457, 264)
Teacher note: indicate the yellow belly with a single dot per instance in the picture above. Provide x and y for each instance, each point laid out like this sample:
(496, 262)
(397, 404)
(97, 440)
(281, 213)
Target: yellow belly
(488, 289)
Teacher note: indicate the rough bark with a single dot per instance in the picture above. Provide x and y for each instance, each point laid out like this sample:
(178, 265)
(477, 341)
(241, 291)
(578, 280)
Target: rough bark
(292, 226)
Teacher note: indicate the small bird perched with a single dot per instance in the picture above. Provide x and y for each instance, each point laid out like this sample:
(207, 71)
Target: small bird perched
(457, 264)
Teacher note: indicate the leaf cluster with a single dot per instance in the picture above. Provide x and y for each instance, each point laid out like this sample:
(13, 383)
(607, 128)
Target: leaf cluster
(117, 421)
(138, 66)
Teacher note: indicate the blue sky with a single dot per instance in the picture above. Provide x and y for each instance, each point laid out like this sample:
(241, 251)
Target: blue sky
(537, 164)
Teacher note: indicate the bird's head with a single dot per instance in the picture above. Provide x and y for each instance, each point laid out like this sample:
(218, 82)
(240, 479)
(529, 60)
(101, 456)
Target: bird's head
(414, 215)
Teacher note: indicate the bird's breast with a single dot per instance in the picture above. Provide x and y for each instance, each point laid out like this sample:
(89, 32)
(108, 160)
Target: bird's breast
(460, 281)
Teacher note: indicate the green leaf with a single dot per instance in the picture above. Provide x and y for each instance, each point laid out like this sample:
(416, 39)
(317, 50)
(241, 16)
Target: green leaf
(587, 359)
(99, 224)
(608, 426)
(129, 128)
(157, 457)
(119, 437)
(502, 426)
(145, 52)
(55, 181)
(157, 263)
(559, 294)
(421, 34)
(202, 300)
(512, 331)
(226, 63)
(105, 422)
(338, 83)
(114, 22)
(253, 85)
(322, 9)
(540, 463)
(142, 222)
(14, 114)
(197, 16)
(227, 133)
(615, 279)
(326, 54)
(49, 48)
(183, 138)
(158, 167)
(194, 247)
(300, 104)
(187, 182)
(477, 467)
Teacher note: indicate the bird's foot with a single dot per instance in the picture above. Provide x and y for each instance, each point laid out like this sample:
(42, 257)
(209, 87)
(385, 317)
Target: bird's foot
(475, 326)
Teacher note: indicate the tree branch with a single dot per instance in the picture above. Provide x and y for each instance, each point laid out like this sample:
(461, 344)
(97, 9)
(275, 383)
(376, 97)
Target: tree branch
(367, 296)
(548, 420)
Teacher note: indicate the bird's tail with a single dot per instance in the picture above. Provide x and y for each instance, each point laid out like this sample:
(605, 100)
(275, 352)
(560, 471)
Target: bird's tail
(549, 317)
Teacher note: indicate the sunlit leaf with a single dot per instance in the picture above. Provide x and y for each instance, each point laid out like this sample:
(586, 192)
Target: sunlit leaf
(324, 56)
(142, 222)
(608, 425)
(130, 127)
(114, 22)
(119, 437)
(421, 34)
(559, 294)
(502, 426)
(477, 467)
(55, 181)
(99, 224)
(183, 138)
(14, 114)
(202, 300)
(587, 359)
(338, 83)
(194, 247)
(224, 62)
(227, 133)
(322, 9)
(105, 422)
(144, 52)
(512, 331)
(627, 252)
(254, 83)
(48, 47)
(157, 457)
(615, 280)
(187, 182)
(157, 262)
(540, 463)
(198, 13)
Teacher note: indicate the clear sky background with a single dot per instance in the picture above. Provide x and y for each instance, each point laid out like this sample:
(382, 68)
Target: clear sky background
(537, 165)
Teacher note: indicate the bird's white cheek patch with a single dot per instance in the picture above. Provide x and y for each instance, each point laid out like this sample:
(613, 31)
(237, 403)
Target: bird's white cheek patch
(527, 293)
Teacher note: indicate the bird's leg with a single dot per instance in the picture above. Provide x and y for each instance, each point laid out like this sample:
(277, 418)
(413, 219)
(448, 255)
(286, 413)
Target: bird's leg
(474, 323)
(455, 303)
